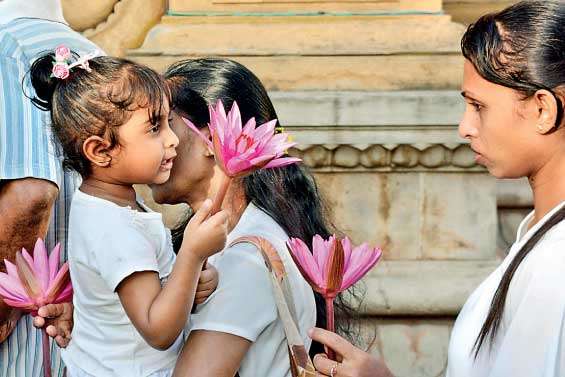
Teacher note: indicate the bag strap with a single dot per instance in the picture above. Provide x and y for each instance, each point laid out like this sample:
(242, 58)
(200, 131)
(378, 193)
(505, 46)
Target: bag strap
(300, 362)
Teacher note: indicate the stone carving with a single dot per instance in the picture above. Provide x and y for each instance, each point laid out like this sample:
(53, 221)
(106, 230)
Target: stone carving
(388, 157)
(114, 25)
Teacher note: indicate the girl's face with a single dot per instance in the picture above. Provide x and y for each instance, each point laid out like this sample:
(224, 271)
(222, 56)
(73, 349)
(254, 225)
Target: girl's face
(193, 177)
(503, 129)
(146, 150)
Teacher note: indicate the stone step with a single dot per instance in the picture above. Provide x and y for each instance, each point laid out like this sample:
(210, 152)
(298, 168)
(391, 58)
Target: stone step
(302, 6)
(423, 287)
(303, 36)
(318, 52)
(358, 73)
(467, 11)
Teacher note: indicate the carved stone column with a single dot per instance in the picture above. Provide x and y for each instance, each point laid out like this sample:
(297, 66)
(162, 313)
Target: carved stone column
(115, 25)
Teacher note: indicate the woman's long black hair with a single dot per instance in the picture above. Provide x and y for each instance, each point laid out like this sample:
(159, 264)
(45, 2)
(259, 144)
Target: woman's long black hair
(288, 194)
(523, 48)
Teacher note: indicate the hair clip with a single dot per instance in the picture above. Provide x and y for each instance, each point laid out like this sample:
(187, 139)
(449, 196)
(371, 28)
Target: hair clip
(61, 66)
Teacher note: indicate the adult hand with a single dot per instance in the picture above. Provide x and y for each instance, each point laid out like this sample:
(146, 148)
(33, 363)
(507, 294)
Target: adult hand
(59, 321)
(353, 362)
(207, 284)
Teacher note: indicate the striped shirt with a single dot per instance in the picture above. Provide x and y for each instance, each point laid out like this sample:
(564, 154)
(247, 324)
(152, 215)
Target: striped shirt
(26, 150)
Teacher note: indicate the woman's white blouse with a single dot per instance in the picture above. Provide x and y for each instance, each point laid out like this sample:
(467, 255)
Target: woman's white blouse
(531, 339)
(244, 305)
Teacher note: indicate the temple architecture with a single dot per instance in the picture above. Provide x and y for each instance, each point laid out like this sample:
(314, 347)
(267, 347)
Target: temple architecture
(370, 90)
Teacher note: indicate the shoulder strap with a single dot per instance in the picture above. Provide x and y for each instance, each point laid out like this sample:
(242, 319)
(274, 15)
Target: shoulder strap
(300, 362)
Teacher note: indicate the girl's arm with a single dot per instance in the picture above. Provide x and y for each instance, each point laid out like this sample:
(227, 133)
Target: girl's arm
(212, 354)
(160, 313)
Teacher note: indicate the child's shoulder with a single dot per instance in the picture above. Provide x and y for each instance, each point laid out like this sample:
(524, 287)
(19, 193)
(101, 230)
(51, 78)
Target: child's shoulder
(102, 214)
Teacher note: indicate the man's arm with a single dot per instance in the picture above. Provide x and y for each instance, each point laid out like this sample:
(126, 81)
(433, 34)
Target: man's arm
(25, 208)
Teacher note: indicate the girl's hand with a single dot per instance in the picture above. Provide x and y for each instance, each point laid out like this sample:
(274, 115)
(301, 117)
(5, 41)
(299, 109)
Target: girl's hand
(353, 361)
(207, 284)
(205, 236)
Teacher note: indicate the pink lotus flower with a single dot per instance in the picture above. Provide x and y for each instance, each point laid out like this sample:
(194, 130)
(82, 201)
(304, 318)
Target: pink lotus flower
(35, 282)
(332, 267)
(60, 71)
(239, 150)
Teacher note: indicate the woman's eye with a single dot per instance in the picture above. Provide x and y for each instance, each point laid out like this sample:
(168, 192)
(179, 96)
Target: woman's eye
(154, 129)
(476, 106)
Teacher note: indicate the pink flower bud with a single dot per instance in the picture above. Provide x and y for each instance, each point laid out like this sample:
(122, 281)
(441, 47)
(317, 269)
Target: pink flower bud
(60, 71)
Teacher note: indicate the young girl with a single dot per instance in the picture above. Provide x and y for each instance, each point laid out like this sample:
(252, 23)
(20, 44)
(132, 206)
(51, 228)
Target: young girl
(132, 299)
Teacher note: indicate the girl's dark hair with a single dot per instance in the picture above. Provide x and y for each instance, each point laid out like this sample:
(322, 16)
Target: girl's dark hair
(288, 194)
(95, 102)
(523, 48)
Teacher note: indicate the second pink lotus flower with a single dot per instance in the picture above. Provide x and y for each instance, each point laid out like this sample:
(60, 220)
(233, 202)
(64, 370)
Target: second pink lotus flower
(332, 266)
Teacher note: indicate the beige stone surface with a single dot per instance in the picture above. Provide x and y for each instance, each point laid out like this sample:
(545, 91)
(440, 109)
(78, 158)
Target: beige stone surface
(410, 347)
(123, 28)
(303, 36)
(384, 72)
(467, 11)
(458, 214)
(423, 287)
(83, 15)
(303, 5)
(416, 215)
(373, 110)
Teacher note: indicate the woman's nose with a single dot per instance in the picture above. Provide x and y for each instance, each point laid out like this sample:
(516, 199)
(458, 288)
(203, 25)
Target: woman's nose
(466, 128)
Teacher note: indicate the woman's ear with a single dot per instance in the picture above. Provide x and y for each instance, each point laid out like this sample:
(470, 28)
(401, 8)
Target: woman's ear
(208, 152)
(547, 111)
(97, 151)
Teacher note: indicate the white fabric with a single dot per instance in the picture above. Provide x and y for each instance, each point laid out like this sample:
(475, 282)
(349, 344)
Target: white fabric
(244, 305)
(531, 339)
(107, 243)
(44, 9)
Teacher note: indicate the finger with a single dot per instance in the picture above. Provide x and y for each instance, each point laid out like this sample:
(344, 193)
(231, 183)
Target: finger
(206, 286)
(51, 310)
(202, 212)
(207, 275)
(62, 342)
(325, 365)
(220, 218)
(51, 331)
(38, 321)
(199, 301)
(203, 294)
(332, 340)
(65, 329)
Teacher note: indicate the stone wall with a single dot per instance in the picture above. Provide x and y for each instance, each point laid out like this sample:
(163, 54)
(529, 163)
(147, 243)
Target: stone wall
(369, 89)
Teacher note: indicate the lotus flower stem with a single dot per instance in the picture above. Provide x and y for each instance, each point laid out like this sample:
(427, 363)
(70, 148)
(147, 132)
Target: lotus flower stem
(330, 324)
(46, 353)
(220, 195)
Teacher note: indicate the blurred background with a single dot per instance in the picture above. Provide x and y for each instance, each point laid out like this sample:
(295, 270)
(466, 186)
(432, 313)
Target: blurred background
(370, 90)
